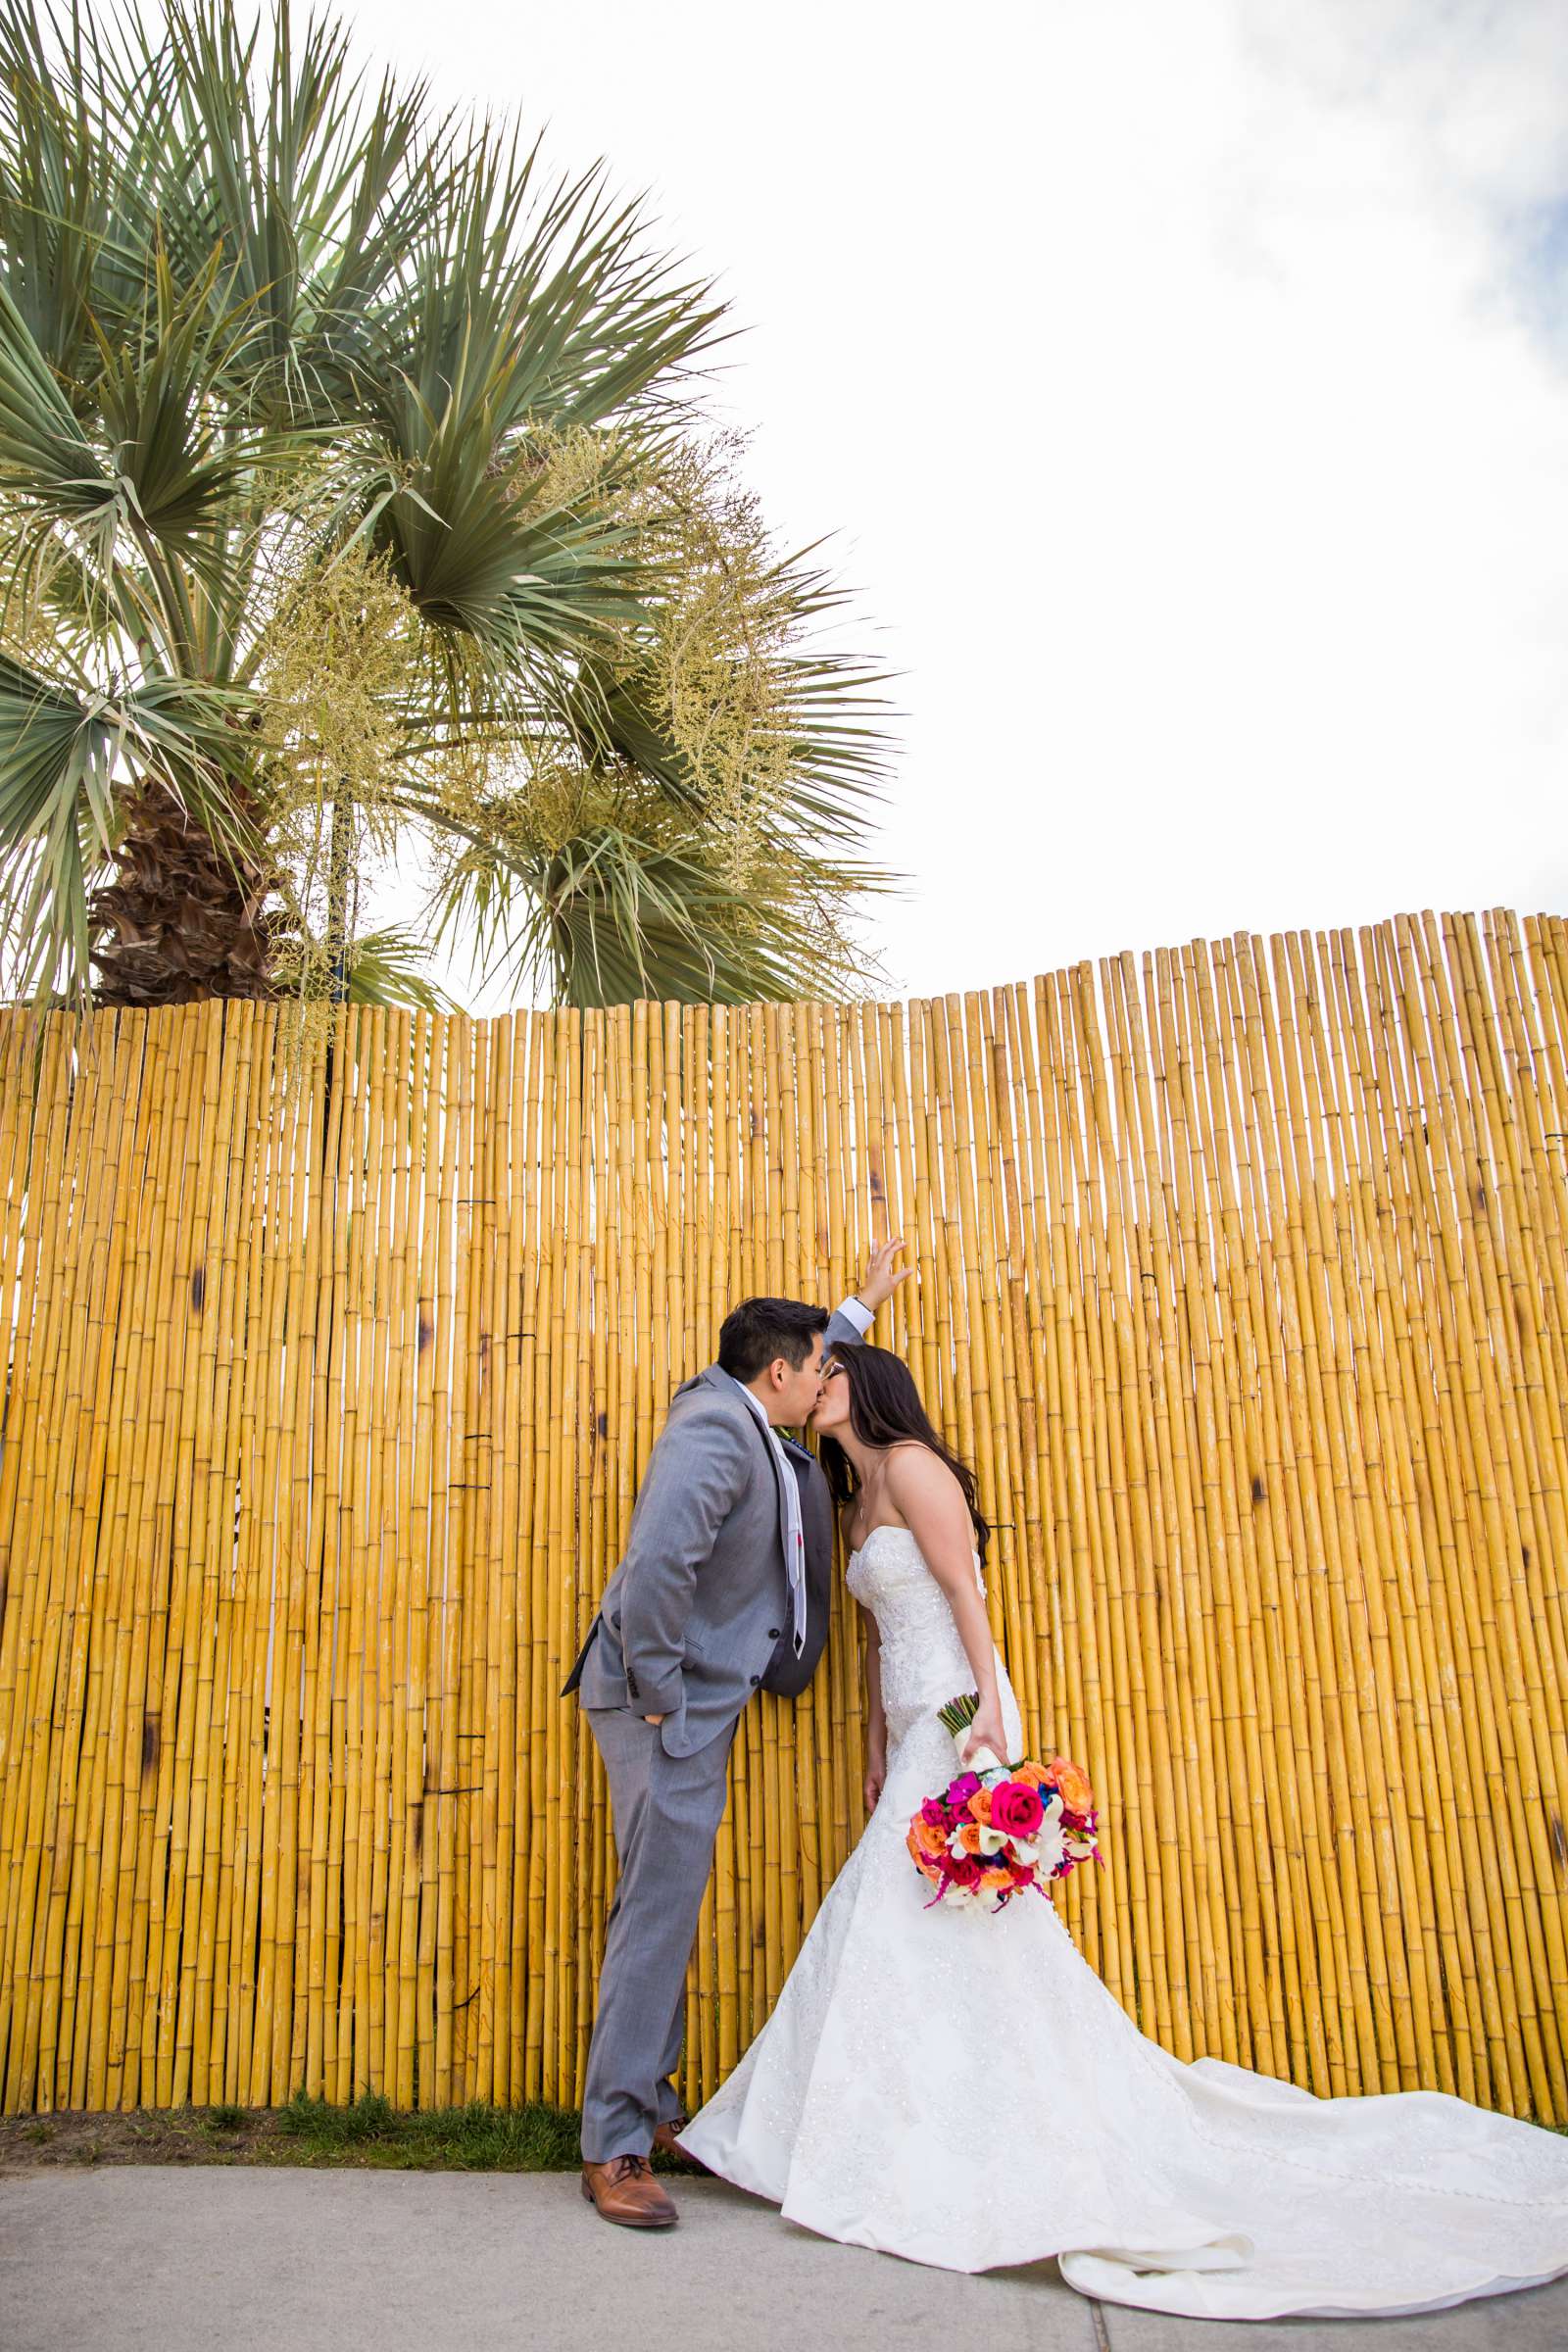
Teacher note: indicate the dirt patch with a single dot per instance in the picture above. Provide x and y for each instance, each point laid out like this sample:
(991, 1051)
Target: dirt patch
(369, 2135)
(185, 2135)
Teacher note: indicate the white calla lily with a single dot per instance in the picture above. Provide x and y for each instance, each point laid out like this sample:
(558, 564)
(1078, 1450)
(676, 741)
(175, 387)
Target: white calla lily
(1049, 1846)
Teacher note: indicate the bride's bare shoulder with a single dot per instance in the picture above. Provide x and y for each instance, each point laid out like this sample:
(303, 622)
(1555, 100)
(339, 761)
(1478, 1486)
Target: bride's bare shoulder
(914, 1473)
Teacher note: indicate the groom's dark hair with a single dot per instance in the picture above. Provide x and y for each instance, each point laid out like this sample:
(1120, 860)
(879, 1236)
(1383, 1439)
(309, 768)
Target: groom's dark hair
(757, 1332)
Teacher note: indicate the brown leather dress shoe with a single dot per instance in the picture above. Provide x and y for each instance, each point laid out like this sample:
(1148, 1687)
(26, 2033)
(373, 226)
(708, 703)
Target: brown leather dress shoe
(624, 2190)
(664, 2145)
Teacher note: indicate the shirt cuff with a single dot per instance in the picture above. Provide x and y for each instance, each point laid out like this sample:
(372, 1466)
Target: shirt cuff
(856, 1311)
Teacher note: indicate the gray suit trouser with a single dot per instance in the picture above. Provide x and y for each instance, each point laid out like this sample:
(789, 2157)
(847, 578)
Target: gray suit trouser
(667, 1811)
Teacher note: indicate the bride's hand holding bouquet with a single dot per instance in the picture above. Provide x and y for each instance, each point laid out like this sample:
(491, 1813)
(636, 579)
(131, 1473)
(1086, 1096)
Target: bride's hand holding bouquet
(999, 1828)
(984, 1742)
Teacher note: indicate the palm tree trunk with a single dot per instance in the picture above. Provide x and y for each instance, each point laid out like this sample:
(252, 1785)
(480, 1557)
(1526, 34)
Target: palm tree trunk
(183, 920)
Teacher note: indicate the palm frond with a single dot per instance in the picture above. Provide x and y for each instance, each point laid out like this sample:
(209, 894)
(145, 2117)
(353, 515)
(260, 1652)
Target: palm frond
(632, 904)
(384, 968)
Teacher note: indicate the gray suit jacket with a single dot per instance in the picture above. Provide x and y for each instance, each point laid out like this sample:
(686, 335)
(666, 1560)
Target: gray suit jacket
(695, 1617)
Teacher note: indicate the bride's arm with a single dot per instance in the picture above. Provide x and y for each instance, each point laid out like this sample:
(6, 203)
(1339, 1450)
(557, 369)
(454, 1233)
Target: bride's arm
(876, 1722)
(930, 1501)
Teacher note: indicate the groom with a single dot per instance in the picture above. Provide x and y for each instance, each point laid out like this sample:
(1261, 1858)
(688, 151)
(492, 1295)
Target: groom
(724, 1589)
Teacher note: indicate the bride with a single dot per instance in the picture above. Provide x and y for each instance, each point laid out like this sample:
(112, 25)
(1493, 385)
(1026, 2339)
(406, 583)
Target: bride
(960, 2089)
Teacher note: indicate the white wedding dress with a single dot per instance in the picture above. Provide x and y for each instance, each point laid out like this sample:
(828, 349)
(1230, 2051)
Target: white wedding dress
(960, 2087)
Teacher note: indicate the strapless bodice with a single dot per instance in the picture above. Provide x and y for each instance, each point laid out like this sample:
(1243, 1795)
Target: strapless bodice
(924, 1660)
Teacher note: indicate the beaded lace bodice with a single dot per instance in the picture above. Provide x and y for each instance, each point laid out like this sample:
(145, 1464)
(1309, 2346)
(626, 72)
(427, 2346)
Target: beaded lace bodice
(924, 1660)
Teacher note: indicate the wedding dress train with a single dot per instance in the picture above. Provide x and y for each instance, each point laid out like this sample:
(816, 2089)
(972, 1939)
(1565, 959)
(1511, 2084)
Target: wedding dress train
(964, 2090)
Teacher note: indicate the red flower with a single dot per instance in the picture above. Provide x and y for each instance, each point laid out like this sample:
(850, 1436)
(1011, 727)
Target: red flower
(1016, 1808)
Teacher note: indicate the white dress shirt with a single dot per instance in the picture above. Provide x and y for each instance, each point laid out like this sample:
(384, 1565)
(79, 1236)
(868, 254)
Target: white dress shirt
(854, 1311)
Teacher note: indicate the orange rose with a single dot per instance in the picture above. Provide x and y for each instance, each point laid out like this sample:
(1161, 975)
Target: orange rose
(969, 1837)
(995, 1877)
(978, 1807)
(1072, 1784)
(927, 1864)
(1033, 1776)
(926, 1837)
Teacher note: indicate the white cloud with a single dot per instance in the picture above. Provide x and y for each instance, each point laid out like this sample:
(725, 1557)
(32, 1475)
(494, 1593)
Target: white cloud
(1183, 384)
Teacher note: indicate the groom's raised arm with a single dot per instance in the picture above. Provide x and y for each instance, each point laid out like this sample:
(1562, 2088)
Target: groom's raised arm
(696, 1474)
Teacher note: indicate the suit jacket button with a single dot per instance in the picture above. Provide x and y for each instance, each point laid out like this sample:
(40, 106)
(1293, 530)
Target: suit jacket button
(756, 1678)
(774, 1632)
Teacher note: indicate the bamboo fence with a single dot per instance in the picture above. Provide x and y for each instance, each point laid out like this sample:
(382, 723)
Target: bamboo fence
(1241, 1277)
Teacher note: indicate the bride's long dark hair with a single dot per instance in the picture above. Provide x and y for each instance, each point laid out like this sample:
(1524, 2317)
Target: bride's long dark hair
(885, 1409)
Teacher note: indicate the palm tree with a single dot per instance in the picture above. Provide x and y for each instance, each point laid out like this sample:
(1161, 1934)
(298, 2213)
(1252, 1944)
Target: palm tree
(356, 492)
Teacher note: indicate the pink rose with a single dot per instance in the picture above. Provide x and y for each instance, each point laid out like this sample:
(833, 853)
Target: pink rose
(1016, 1808)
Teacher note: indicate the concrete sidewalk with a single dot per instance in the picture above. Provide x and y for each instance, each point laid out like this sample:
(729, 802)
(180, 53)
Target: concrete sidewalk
(242, 2259)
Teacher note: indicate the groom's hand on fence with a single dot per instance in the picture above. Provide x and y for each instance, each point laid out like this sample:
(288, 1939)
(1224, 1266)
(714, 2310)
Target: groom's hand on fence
(882, 1276)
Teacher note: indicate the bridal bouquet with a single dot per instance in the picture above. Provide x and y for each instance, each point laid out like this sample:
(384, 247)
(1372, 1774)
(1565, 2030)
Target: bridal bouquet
(998, 1829)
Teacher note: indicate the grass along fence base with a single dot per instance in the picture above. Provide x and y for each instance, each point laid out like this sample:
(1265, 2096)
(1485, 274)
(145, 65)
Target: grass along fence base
(1241, 1277)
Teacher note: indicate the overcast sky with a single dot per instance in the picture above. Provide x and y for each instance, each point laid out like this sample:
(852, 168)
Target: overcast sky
(1186, 386)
